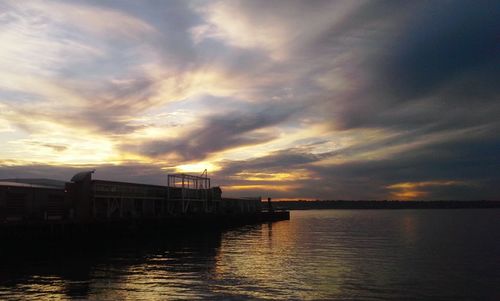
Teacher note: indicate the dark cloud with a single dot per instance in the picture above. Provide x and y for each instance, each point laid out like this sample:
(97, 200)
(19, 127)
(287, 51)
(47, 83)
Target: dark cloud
(283, 160)
(56, 147)
(111, 106)
(462, 169)
(445, 40)
(471, 164)
(9, 171)
(423, 74)
(436, 77)
(435, 66)
(220, 132)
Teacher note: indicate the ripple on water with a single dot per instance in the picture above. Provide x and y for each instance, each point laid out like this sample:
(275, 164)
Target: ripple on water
(329, 254)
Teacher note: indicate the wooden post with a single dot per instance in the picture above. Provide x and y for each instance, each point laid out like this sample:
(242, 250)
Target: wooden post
(270, 206)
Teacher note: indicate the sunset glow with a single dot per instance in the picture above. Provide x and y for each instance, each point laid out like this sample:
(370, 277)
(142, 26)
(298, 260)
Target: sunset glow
(335, 99)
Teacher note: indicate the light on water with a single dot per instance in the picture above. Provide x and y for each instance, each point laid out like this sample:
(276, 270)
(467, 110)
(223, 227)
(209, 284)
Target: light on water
(318, 254)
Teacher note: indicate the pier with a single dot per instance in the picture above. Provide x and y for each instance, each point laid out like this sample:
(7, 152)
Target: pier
(48, 208)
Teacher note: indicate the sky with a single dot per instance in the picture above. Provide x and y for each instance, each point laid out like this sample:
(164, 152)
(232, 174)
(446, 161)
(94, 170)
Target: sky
(286, 99)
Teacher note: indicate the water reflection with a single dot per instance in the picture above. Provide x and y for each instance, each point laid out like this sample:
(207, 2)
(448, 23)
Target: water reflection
(320, 255)
(145, 268)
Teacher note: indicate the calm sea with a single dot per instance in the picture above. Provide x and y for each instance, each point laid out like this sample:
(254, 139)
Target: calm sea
(317, 255)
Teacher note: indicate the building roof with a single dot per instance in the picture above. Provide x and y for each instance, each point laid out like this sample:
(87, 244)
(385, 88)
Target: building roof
(37, 181)
(82, 175)
(127, 183)
(26, 185)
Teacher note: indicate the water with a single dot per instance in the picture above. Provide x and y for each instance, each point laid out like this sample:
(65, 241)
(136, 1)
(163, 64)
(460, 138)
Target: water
(318, 254)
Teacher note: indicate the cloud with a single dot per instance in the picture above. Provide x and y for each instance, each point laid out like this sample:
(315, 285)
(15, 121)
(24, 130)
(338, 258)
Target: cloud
(453, 169)
(87, 18)
(321, 99)
(56, 147)
(278, 29)
(420, 190)
(44, 38)
(436, 64)
(448, 40)
(220, 132)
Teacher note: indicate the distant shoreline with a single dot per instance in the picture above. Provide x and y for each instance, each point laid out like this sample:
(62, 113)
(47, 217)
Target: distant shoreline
(341, 204)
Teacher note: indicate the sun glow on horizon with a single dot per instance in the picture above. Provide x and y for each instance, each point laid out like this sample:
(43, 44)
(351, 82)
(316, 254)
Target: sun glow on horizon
(290, 97)
(261, 187)
(273, 176)
(197, 167)
(417, 190)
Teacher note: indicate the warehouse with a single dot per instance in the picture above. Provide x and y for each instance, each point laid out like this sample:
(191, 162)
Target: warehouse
(86, 200)
(21, 201)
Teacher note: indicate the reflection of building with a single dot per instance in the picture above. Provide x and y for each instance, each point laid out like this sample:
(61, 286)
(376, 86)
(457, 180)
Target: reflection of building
(84, 199)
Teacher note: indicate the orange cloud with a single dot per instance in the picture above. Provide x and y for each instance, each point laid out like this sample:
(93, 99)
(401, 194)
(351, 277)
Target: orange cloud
(416, 190)
(261, 187)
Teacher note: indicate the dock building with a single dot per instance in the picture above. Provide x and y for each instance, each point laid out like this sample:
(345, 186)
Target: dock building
(87, 200)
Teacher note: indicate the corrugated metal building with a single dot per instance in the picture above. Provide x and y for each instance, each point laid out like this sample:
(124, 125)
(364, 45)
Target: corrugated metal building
(84, 199)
